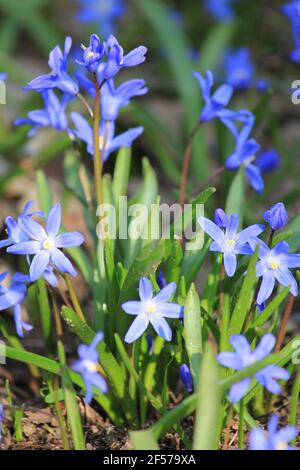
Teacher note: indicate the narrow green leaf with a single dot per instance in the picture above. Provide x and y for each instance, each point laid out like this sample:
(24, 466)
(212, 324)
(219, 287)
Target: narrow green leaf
(236, 196)
(143, 440)
(44, 192)
(192, 331)
(208, 403)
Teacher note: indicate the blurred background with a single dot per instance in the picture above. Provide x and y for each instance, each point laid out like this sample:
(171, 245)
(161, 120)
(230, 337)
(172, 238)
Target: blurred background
(182, 36)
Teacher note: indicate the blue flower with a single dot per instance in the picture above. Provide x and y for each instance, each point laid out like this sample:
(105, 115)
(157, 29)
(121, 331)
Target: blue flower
(267, 161)
(104, 12)
(244, 357)
(92, 54)
(84, 132)
(292, 11)
(186, 378)
(222, 10)
(1, 420)
(116, 60)
(262, 85)
(152, 310)
(245, 147)
(59, 77)
(239, 68)
(161, 280)
(52, 116)
(3, 76)
(221, 219)
(88, 367)
(215, 103)
(113, 99)
(14, 231)
(12, 297)
(46, 245)
(277, 216)
(274, 264)
(230, 242)
(273, 438)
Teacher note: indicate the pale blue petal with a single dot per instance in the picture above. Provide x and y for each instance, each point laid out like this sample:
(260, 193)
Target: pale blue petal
(169, 309)
(241, 345)
(39, 264)
(54, 221)
(166, 293)
(132, 307)
(25, 248)
(69, 239)
(62, 263)
(138, 327)
(285, 277)
(145, 289)
(230, 263)
(32, 229)
(249, 233)
(212, 230)
(239, 390)
(232, 226)
(265, 346)
(161, 327)
(266, 288)
(230, 359)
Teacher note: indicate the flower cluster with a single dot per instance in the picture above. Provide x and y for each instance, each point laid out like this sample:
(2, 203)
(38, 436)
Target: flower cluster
(240, 70)
(103, 60)
(273, 438)
(29, 238)
(240, 124)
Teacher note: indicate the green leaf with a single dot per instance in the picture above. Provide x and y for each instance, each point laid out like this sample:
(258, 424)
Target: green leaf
(192, 331)
(244, 300)
(71, 402)
(44, 192)
(216, 42)
(121, 174)
(143, 440)
(236, 196)
(271, 307)
(208, 403)
(45, 313)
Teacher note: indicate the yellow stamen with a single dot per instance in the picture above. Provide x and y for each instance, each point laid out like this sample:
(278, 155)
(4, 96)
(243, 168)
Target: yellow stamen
(151, 307)
(90, 55)
(274, 264)
(48, 244)
(91, 366)
(230, 243)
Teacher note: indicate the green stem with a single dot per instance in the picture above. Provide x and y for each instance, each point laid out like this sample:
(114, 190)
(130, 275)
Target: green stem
(97, 153)
(74, 298)
(241, 425)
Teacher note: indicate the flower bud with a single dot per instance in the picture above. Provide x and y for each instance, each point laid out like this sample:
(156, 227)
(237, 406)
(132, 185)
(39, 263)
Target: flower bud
(277, 216)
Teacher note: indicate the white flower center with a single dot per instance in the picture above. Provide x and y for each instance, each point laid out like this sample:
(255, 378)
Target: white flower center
(230, 244)
(48, 244)
(90, 365)
(273, 263)
(151, 308)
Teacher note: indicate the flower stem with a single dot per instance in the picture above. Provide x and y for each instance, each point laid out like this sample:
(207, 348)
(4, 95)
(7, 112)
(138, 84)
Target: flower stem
(97, 153)
(210, 179)
(86, 104)
(284, 323)
(186, 165)
(222, 290)
(74, 297)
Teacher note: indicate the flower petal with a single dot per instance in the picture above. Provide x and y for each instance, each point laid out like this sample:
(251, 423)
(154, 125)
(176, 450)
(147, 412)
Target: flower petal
(69, 239)
(265, 346)
(266, 288)
(232, 227)
(240, 345)
(239, 390)
(161, 327)
(138, 327)
(170, 309)
(54, 220)
(212, 230)
(145, 289)
(62, 263)
(32, 228)
(230, 359)
(132, 307)
(25, 248)
(39, 264)
(230, 263)
(166, 293)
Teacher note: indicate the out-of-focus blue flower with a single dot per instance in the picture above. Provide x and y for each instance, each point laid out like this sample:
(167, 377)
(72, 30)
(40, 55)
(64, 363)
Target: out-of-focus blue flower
(103, 12)
(1, 420)
(262, 84)
(239, 68)
(116, 60)
(46, 245)
(59, 77)
(113, 99)
(215, 103)
(274, 438)
(3, 76)
(149, 344)
(292, 11)
(245, 147)
(161, 280)
(276, 216)
(221, 10)
(52, 116)
(275, 264)
(186, 378)
(244, 357)
(12, 297)
(152, 310)
(87, 366)
(84, 132)
(268, 161)
(221, 219)
(230, 243)
(14, 231)
(92, 54)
